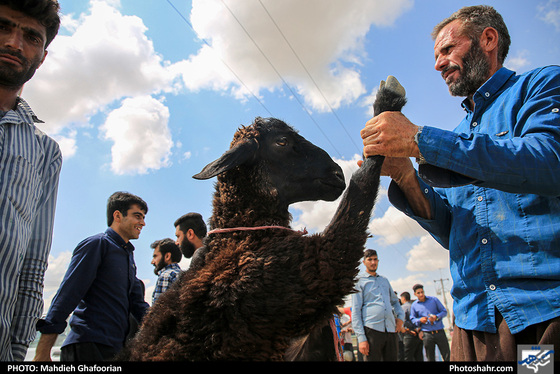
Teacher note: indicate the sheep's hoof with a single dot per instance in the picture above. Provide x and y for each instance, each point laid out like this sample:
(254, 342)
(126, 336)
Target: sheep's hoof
(393, 84)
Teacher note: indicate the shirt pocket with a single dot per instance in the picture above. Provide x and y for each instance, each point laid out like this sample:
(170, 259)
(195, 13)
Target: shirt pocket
(25, 187)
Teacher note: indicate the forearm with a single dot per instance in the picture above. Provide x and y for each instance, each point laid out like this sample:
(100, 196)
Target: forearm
(44, 346)
(416, 198)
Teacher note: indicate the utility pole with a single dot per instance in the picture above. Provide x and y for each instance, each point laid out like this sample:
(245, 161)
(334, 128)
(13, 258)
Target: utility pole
(442, 290)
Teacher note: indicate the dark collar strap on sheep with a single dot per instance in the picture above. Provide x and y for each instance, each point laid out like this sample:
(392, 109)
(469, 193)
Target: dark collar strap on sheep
(232, 229)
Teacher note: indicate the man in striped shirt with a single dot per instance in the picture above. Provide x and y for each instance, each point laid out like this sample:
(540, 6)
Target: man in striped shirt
(30, 164)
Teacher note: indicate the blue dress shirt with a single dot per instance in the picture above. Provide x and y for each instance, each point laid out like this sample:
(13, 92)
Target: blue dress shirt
(101, 289)
(431, 305)
(494, 189)
(373, 305)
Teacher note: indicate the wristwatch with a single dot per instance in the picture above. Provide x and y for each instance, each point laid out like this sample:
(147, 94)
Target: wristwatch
(420, 160)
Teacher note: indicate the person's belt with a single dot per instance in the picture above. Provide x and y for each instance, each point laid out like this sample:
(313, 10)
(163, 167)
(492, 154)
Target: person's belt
(433, 332)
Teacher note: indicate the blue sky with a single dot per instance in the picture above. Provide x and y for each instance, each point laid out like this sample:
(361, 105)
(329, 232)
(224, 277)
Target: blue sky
(142, 94)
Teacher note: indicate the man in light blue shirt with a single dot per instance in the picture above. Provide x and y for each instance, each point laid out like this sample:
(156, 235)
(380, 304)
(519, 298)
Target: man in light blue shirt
(489, 190)
(374, 307)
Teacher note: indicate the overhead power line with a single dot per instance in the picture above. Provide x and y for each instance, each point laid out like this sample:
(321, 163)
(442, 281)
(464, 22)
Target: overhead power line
(268, 60)
(280, 76)
(310, 76)
(225, 63)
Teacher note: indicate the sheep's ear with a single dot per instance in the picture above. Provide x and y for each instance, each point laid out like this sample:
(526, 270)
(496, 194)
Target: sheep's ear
(236, 156)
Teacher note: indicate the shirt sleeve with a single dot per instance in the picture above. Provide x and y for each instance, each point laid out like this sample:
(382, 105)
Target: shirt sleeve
(29, 306)
(440, 224)
(81, 273)
(527, 160)
(414, 317)
(441, 311)
(357, 320)
(397, 308)
(138, 305)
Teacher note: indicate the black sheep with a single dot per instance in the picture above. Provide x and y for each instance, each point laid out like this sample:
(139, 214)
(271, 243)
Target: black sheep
(264, 288)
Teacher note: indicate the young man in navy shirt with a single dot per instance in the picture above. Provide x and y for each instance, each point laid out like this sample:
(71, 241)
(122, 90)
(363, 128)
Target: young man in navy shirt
(100, 289)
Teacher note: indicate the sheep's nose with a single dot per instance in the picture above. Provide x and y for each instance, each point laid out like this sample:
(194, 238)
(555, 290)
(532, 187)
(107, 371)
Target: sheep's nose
(339, 175)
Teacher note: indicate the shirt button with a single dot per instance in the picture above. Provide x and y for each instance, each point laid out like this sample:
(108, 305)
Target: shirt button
(487, 94)
(426, 190)
(492, 287)
(484, 241)
(555, 110)
(474, 124)
(480, 198)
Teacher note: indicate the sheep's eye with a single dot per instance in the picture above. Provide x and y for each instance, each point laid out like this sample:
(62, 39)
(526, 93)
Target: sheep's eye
(283, 141)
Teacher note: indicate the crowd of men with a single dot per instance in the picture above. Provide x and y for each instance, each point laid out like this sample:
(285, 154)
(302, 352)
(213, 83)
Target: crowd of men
(487, 191)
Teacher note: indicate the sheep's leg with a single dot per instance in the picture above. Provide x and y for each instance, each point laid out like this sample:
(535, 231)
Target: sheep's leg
(342, 247)
(345, 236)
(354, 210)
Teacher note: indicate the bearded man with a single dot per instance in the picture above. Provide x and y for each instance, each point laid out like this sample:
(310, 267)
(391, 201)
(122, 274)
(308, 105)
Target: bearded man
(30, 164)
(166, 258)
(487, 191)
(190, 231)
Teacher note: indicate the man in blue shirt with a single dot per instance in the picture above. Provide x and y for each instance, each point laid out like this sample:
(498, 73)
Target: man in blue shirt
(427, 312)
(100, 289)
(374, 307)
(165, 260)
(501, 219)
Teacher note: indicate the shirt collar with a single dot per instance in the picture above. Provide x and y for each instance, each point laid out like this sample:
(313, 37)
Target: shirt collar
(118, 239)
(490, 89)
(173, 266)
(21, 114)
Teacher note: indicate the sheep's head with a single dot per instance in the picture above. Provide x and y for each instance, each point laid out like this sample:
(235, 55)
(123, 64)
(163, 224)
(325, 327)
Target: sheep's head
(295, 169)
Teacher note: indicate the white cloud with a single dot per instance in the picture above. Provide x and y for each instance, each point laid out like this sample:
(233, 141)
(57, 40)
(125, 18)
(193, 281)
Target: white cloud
(67, 144)
(394, 226)
(550, 13)
(405, 284)
(518, 62)
(267, 43)
(102, 57)
(142, 140)
(427, 255)
(107, 57)
(54, 275)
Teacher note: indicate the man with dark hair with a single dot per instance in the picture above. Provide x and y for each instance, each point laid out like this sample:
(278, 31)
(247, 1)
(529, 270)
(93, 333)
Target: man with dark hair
(30, 164)
(374, 307)
(165, 260)
(427, 313)
(100, 289)
(488, 191)
(190, 231)
(412, 342)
